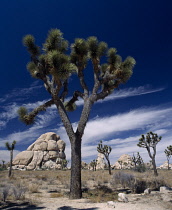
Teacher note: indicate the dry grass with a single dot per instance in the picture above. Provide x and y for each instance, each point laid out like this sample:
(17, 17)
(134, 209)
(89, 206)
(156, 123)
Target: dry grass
(97, 184)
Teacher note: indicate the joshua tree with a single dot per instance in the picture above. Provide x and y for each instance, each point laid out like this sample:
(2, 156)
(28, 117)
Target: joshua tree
(3, 163)
(120, 163)
(10, 148)
(138, 162)
(105, 150)
(93, 164)
(64, 163)
(168, 153)
(148, 141)
(54, 65)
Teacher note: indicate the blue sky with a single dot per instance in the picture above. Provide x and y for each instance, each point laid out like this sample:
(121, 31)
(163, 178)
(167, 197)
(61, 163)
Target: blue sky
(141, 29)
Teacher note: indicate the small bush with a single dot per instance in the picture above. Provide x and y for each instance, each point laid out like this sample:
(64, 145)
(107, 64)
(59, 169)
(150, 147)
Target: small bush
(5, 192)
(124, 179)
(127, 180)
(34, 188)
(100, 194)
(19, 192)
(140, 168)
(138, 186)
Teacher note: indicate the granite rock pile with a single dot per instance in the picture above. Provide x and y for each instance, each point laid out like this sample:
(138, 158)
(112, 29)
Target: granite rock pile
(47, 152)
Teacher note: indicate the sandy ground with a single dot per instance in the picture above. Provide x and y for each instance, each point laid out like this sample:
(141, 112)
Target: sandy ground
(155, 201)
(136, 202)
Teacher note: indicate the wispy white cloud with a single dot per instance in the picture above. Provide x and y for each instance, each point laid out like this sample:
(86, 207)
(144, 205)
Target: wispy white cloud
(20, 94)
(139, 119)
(157, 119)
(128, 92)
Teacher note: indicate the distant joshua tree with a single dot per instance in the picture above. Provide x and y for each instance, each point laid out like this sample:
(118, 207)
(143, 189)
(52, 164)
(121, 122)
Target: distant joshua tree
(64, 163)
(148, 141)
(168, 153)
(138, 162)
(93, 164)
(120, 163)
(3, 163)
(10, 148)
(106, 150)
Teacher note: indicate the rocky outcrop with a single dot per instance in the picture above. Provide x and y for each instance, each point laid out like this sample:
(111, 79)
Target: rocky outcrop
(101, 164)
(46, 152)
(165, 165)
(124, 162)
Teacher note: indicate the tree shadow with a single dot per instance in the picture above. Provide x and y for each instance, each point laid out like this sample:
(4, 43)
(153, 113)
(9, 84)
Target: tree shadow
(71, 208)
(16, 206)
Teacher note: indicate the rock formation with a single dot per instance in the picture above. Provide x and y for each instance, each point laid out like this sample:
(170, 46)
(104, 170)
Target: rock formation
(165, 165)
(124, 162)
(46, 152)
(101, 164)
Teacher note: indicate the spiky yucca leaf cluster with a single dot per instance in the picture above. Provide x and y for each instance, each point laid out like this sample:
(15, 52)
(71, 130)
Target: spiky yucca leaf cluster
(33, 69)
(59, 64)
(96, 48)
(12, 146)
(24, 117)
(168, 151)
(104, 149)
(122, 70)
(29, 42)
(150, 140)
(53, 61)
(55, 41)
(70, 107)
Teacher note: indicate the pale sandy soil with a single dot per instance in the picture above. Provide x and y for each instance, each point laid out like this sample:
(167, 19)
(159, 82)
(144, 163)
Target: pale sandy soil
(136, 202)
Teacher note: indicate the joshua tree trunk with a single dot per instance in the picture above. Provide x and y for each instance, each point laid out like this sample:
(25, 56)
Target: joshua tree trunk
(75, 181)
(168, 161)
(11, 160)
(109, 166)
(154, 167)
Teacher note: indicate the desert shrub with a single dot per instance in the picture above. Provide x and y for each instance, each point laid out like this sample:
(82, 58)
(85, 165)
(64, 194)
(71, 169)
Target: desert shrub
(127, 180)
(100, 194)
(124, 179)
(5, 192)
(138, 186)
(140, 168)
(19, 191)
(156, 183)
(34, 188)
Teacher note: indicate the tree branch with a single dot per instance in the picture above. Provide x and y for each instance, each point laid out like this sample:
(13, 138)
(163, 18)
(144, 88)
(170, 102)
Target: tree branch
(29, 118)
(82, 82)
(65, 90)
(64, 117)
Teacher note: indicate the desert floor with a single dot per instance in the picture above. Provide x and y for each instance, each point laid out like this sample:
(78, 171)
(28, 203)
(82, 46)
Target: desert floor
(50, 190)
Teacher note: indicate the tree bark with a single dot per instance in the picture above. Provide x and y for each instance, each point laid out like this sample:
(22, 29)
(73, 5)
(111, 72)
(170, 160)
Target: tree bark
(168, 164)
(11, 159)
(75, 181)
(109, 166)
(154, 167)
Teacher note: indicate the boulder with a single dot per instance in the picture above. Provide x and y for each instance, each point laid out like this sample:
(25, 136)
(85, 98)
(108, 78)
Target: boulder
(61, 145)
(36, 161)
(52, 145)
(164, 189)
(122, 197)
(124, 162)
(23, 158)
(111, 204)
(147, 191)
(100, 161)
(47, 147)
(165, 165)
